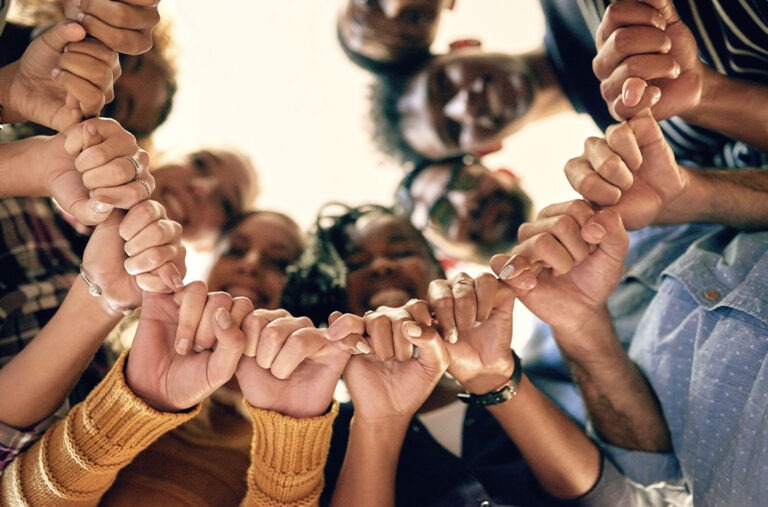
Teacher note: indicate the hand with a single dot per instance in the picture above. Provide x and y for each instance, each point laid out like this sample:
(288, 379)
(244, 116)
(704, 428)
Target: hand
(633, 168)
(125, 26)
(170, 382)
(577, 257)
(91, 174)
(384, 385)
(481, 356)
(289, 366)
(60, 78)
(647, 40)
(141, 249)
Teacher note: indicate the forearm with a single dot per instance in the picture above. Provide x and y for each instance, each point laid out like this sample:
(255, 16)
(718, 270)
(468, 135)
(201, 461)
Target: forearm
(621, 405)
(23, 168)
(288, 457)
(78, 458)
(735, 198)
(367, 476)
(47, 369)
(7, 73)
(734, 107)
(564, 460)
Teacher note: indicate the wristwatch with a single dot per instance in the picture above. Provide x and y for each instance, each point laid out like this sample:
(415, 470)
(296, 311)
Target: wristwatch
(500, 395)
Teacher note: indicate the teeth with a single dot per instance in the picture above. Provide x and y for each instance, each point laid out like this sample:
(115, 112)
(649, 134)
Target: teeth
(389, 297)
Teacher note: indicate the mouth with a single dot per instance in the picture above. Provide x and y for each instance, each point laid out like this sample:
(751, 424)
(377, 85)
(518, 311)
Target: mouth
(174, 207)
(259, 299)
(389, 296)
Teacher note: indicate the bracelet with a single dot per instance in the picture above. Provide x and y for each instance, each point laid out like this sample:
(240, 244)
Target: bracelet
(95, 290)
(500, 395)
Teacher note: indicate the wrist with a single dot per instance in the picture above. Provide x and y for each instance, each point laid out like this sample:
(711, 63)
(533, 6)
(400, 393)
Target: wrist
(7, 74)
(488, 378)
(499, 394)
(96, 291)
(586, 340)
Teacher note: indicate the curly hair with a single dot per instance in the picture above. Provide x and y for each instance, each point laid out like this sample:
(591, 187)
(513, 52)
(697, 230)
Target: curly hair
(317, 282)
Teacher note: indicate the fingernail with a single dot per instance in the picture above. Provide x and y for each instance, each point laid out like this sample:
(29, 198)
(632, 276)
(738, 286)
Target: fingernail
(412, 329)
(177, 282)
(476, 324)
(333, 331)
(629, 97)
(182, 346)
(80, 16)
(529, 282)
(223, 318)
(508, 270)
(363, 347)
(198, 348)
(453, 336)
(55, 72)
(101, 207)
(596, 230)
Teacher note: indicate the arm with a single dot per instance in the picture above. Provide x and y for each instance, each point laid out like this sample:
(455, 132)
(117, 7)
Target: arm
(633, 168)
(288, 377)
(577, 257)
(387, 387)
(54, 360)
(563, 459)
(149, 391)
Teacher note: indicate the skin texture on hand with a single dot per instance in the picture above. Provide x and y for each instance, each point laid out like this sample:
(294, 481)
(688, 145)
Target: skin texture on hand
(125, 26)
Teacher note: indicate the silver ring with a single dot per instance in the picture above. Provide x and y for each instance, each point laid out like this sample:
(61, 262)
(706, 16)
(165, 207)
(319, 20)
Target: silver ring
(464, 281)
(146, 187)
(136, 166)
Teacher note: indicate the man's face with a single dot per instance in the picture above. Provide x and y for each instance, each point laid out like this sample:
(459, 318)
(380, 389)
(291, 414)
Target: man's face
(468, 207)
(465, 102)
(390, 30)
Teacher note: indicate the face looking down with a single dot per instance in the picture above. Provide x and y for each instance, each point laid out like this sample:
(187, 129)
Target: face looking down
(204, 189)
(254, 256)
(388, 263)
(390, 30)
(466, 101)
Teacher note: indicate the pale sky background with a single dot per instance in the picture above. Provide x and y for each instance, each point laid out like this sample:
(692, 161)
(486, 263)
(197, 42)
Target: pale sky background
(268, 77)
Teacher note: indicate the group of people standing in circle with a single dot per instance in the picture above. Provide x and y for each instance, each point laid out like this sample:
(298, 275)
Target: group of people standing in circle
(644, 383)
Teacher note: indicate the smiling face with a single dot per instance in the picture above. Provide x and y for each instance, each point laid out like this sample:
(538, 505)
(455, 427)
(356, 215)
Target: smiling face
(390, 30)
(465, 102)
(254, 257)
(468, 208)
(388, 263)
(203, 189)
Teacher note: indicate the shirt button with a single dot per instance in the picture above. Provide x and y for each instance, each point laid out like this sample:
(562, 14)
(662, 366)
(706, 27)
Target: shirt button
(712, 295)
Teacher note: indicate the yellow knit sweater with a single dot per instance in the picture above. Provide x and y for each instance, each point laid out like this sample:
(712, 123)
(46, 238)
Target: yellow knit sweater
(78, 458)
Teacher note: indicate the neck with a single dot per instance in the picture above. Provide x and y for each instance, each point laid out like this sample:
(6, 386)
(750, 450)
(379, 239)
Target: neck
(549, 98)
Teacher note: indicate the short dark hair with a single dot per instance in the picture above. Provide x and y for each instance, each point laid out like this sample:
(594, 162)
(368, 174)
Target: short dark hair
(403, 65)
(317, 282)
(384, 94)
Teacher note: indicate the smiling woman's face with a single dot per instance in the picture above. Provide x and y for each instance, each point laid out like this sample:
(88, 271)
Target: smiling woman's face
(387, 263)
(254, 257)
(203, 189)
(466, 101)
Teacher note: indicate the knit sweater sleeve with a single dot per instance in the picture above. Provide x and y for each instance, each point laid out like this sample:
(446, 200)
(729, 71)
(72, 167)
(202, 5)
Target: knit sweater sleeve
(78, 458)
(287, 458)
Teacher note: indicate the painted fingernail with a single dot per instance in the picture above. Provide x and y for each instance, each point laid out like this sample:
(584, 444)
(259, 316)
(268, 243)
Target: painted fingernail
(101, 207)
(363, 347)
(182, 346)
(223, 318)
(412, 329)
(453, 336)
(508, 270)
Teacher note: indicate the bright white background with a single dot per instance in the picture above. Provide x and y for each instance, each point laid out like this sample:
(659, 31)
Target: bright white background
(268, 76)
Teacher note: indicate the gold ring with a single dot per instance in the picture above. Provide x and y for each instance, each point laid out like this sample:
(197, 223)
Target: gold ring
(136, 166)
(146, 187)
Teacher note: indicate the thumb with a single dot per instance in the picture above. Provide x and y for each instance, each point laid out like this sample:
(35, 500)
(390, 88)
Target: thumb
(431, 348)
(646, 129)
(90, 211)
(607, 230)
(63, 33)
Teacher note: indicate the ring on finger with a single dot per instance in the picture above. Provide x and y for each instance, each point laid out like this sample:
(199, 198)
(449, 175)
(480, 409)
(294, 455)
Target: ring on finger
(146, 187)
(136, 166)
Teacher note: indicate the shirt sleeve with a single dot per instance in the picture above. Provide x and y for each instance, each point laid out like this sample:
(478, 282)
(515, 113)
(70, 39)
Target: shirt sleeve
(78, 458)
(611, 488)
(14, 441)
(643, 467)
(288, 457)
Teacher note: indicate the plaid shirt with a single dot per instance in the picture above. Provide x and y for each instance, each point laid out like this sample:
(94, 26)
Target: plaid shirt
(40, 256)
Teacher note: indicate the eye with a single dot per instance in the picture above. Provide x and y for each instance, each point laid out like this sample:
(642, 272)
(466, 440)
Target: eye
(442, 213)
(356, 262)
(413, 17)
(200, 164)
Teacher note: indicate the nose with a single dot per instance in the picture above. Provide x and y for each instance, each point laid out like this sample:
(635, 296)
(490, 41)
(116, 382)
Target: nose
(382, 266)
(203, 187)
(469, 104)
(250, 262)
(391, 8)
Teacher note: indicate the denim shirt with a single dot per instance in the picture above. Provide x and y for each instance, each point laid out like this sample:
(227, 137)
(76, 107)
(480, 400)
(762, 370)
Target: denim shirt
(703, 345)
